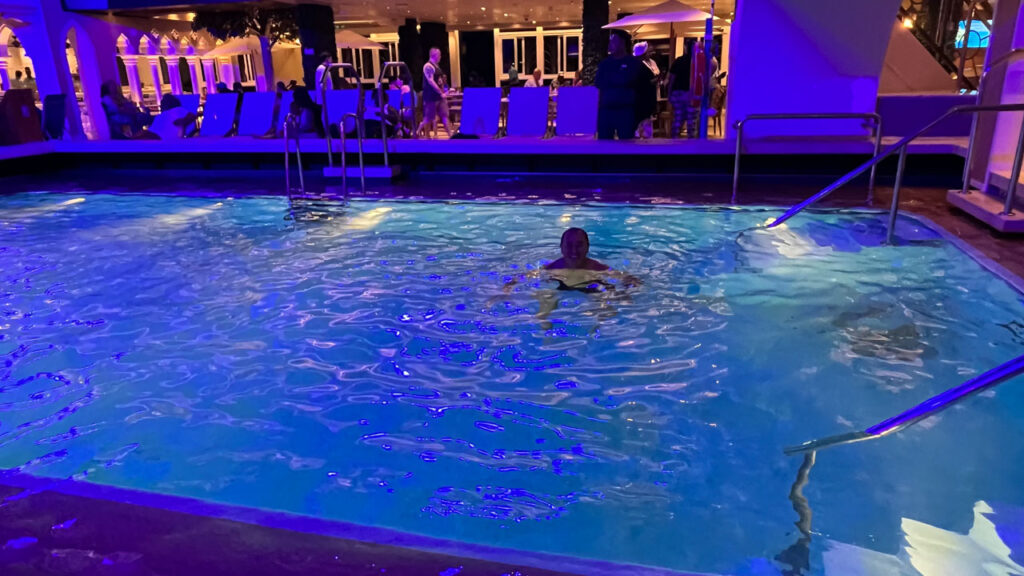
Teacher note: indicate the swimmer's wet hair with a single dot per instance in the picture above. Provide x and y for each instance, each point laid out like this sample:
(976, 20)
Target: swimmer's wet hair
(580, 230)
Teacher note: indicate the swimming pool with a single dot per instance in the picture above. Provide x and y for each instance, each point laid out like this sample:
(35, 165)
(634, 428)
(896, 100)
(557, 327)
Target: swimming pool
(361, 362)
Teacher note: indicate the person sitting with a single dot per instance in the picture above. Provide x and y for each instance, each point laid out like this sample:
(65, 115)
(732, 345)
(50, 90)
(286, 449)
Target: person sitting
(173, 121)
(307, 113)
(222, 88)
(124, 118)
(535, 81)
(406, 106)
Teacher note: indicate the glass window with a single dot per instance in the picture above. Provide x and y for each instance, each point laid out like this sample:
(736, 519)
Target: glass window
(163, 72)
(530, 58)
(122, 71)
(572, 54)
(508, 54)
(552, 62)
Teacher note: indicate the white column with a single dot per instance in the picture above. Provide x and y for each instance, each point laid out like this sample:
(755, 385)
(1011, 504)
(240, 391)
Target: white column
(499, 63)
(154, 68)
(175, 74)
(539, 39)
(131, 66)
(211, 76)
(193, 72)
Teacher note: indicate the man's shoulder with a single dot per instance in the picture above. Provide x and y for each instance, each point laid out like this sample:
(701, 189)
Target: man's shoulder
(556, 265)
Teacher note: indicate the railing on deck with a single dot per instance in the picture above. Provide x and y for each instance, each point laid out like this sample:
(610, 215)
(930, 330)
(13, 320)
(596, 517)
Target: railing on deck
(875, 118)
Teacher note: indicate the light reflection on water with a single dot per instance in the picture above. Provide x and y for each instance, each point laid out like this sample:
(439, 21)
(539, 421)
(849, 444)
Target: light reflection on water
(360, 362)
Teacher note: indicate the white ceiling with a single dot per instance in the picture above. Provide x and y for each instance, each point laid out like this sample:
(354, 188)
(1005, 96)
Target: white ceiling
(486, 14)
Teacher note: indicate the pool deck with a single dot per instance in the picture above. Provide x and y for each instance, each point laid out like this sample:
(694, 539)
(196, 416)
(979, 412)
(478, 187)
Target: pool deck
(510, 146)
(65, 527)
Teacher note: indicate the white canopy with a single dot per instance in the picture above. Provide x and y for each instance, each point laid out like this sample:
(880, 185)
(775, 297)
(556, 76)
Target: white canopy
(347, 39)
(246, 45)
(668, 12)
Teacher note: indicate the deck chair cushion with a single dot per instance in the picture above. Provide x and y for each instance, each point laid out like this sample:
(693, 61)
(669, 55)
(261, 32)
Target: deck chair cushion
(481, 110)
(219, 114)
(339, 103)
(528, 111)
(577, 111)
(190, 102)
(257, 116)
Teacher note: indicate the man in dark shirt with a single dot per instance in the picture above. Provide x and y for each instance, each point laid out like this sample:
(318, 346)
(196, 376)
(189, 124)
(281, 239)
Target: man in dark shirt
(618, 80)
(679, 94)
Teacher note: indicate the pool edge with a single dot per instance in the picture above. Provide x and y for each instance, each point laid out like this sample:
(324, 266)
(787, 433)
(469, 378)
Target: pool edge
(280, 520)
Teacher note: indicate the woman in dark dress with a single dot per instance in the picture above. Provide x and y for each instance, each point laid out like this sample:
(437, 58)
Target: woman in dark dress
(647, 91)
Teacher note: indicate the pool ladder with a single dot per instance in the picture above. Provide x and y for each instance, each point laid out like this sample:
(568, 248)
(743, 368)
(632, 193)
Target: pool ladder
(291, 129)
(358, 117)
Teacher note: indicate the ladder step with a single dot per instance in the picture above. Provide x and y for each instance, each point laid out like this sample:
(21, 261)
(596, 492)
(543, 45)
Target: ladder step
(372, 172)
(988, 209)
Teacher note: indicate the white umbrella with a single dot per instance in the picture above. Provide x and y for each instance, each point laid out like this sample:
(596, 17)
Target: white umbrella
(246, 45)
(668, 12)
(347, 39)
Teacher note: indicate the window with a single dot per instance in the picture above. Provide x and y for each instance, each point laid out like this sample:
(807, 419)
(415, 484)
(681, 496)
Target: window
(508, 54)
(552, 51)
(572, 54)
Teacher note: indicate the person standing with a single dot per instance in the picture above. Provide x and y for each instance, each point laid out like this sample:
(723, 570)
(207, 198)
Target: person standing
(617, 81)
(322, 76)
(678, 82)
(433, 94)
(647, 92)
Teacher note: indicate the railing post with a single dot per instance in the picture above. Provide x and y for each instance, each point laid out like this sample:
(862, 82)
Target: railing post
(878, 150)
(287, 160)
(344, 163)
(970, 151)
(1011, 191)
(891, 233)
(736, 161)
(298, 158)
(360, 133)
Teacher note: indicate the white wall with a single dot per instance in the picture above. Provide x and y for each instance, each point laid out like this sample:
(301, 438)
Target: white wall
(807, 56)
(910, 68)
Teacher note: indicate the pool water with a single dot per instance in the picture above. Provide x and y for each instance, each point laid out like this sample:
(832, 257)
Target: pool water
(361, 362)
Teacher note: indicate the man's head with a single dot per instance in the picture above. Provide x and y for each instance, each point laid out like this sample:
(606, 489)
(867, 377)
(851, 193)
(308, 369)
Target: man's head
(325, 58)
(398, 83)
(537, 74)
(281, 87)
(575, 246)
(28, 72)
(435, 55)
(618, 43)
(17, 74)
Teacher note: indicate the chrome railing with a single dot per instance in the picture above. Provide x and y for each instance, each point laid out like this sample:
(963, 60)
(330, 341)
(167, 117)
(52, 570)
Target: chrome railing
(291, 126)
(874, 117)
(922, 411)
(901, 147)
(344, 165)
(1004, 59)
(381, 106)
(360, 111)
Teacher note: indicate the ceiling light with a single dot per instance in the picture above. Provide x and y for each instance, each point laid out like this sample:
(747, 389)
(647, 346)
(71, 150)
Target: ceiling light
(908, 22)
(505, 14)
(482, 9)
(534, 21)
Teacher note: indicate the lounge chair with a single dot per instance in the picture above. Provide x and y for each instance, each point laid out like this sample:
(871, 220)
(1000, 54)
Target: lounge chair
(481, 111)
(577, 111)
(257, 117)
(219, 114)
(340, 103)
(528, 112)
(190, 102)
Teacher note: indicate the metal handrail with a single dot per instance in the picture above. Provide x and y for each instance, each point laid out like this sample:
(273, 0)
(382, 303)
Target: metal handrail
(381, 106)
(901, 147)
(360, 106)
(344, 166)
(924, 410)
(1004, 59)
(877, 118)
(291, 121)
